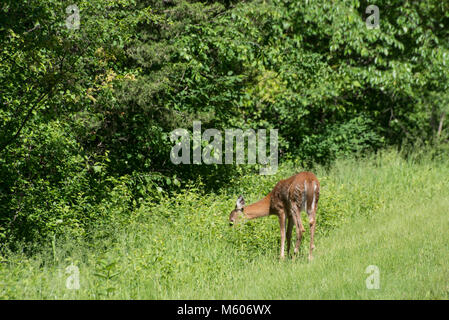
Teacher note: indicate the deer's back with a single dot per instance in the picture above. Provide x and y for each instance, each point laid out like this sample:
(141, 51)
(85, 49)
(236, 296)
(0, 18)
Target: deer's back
(297, 189)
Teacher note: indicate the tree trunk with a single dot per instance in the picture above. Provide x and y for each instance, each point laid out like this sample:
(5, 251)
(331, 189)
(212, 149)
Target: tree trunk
(440, 126)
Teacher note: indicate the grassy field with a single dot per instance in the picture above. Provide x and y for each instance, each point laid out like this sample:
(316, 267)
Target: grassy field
(382, 211)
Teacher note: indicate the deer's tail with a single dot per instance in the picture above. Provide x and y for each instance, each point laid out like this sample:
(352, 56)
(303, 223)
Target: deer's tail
(310, 196)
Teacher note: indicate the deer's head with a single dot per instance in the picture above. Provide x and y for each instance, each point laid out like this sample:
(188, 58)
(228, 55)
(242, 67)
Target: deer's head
(237, 212)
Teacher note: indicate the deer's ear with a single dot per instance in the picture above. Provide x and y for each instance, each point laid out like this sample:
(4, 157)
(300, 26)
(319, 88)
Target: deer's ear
(240, 203)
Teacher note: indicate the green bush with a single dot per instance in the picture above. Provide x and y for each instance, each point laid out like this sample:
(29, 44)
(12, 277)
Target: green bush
(89, 111)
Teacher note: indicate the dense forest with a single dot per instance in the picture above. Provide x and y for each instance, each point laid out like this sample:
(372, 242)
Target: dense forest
(91, 89)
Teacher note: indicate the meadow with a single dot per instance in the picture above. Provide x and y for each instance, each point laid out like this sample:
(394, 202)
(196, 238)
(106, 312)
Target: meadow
(93, 205)
(379, 210)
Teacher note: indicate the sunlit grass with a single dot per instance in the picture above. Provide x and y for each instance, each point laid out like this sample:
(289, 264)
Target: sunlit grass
(381, 211)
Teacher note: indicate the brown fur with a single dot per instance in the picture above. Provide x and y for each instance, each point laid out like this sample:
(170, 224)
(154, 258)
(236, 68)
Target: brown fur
(286, 202)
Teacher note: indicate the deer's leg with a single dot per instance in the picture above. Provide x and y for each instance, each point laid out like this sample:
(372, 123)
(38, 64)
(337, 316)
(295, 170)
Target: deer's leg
(289, 233)
(312, 216)
(312, 223)
(282, 225)
(296, 215)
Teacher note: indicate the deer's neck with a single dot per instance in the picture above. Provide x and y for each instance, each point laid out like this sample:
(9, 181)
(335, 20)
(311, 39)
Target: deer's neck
(258, 209)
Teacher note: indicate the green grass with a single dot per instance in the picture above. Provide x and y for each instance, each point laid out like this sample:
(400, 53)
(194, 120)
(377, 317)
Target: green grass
(381, 211)
(409, 244)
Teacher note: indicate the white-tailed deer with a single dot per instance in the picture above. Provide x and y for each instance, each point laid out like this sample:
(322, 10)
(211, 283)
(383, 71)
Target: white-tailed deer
(287, 199)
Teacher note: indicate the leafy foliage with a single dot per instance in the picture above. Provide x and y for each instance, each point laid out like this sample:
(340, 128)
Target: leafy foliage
(86, 114)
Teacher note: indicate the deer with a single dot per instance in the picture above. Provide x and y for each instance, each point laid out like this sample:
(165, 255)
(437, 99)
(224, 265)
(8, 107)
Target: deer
(287, 200)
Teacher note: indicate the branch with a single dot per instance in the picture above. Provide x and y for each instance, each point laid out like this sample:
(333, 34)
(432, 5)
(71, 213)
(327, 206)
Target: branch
(440, 126)
(392, 116)
(39, 100)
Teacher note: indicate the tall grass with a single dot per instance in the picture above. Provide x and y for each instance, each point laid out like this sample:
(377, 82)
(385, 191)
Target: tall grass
(382, 210)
